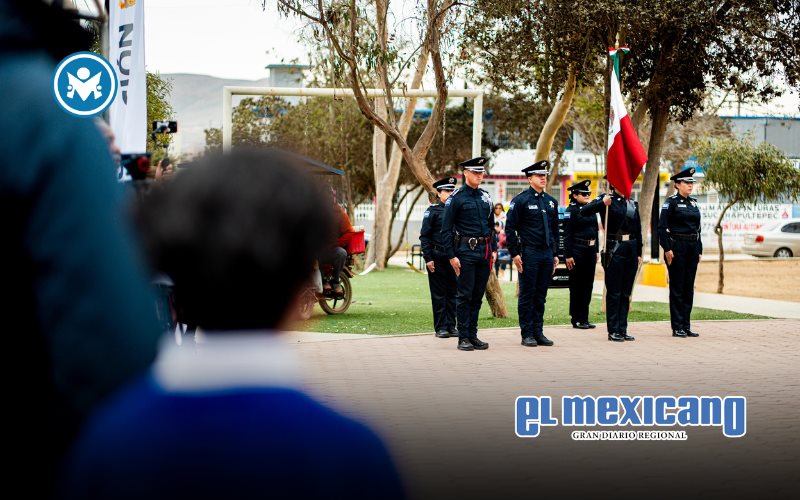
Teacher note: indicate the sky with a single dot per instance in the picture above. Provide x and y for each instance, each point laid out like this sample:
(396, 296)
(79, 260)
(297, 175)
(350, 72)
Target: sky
(237, 38)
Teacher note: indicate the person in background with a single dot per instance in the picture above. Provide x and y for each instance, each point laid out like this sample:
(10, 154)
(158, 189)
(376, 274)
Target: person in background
(679, 235)
(335, 254)
(502, 250)
(77, 308)
(500, 215)
(441, 277)
(228, 420)
(580, 252)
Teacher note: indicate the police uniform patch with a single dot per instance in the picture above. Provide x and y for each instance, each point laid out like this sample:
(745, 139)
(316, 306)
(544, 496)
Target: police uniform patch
(665, 205)
(511, 206)
(447, 203)
(427, 213)
(567, 215)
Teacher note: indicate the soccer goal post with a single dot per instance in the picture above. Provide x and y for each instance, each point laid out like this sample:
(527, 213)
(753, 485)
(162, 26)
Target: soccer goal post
(230, 91)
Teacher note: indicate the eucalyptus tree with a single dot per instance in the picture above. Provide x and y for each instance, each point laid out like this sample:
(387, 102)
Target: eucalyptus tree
(744, 173)
(680, 49)
(367, 51)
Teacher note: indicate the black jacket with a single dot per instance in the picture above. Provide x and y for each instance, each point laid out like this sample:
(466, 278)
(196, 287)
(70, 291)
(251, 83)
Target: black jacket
(525, 223)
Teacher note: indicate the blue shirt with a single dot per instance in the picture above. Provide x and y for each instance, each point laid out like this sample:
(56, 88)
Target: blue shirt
(468, 212)
(532, 220)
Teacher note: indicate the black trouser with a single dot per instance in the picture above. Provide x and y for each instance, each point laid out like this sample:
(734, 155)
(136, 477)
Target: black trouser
(471, 285)
(581, 281)
(620, 275)
(442, 283)
(336, 257)
(534, 281)
(682, 271)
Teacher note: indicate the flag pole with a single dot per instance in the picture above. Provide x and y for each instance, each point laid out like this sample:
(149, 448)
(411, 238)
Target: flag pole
(614, 67)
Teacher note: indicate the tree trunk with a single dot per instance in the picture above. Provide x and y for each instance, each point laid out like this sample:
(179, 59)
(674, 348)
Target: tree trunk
(495, 297)
(554, 171)
(384, 195)
(718, 231)
(638, 116)
(556, 118)
(660, 116)
(397, 245)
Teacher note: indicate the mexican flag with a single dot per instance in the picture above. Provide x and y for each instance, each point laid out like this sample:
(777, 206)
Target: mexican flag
(626, 156)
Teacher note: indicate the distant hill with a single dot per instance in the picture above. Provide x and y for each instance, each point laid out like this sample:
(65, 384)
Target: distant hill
(197, 101)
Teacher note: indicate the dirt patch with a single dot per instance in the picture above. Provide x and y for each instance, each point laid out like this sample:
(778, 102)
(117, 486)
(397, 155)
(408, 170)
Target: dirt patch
(765, 279)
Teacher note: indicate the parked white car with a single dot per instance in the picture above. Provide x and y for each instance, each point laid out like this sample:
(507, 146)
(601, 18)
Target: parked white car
(774, 239)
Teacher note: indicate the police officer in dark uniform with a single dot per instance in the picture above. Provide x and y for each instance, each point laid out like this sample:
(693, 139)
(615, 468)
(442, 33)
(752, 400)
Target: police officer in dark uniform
(441, 276)
(470, 246)
(531, 234)
(580, 250)
(621, 258)
(679, 235)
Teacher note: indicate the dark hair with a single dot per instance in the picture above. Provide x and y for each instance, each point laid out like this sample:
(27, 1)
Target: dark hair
(238, 234)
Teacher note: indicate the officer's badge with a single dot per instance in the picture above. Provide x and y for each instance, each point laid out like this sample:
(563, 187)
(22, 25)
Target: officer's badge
(694, 203)
(485, 197)
(551, 204)
(567, 215)
(691, 171)
(511, 206)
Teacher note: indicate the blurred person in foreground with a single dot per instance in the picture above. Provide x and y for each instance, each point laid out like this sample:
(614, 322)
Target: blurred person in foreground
(228, 420)
(77, 310)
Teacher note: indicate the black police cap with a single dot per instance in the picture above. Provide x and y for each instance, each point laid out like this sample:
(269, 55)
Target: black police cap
(581, 187)
(445, 184)
(685, 175)
(474, 164)
(539, 168)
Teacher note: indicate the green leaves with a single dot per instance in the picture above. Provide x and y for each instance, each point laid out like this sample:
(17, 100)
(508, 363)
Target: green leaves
(738, 169)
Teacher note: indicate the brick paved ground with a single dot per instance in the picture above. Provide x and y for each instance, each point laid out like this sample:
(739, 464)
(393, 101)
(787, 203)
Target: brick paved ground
(448, 416)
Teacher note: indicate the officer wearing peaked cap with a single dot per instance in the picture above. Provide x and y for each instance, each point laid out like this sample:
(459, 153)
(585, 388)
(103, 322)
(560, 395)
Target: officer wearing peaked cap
(580, 250)
(441, 276)
(623, 255)
(469, 244)
(679, 236)
(531, 235)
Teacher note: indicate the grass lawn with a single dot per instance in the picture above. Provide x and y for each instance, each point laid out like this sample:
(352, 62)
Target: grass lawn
(397, 300)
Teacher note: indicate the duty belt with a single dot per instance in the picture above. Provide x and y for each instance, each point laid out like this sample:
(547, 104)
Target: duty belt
(620, 237)
(584, 242)
(685, 237)
(474, 241)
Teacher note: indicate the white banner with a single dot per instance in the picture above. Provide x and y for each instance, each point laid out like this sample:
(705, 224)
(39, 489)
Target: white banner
(128, 113)
(739, 219)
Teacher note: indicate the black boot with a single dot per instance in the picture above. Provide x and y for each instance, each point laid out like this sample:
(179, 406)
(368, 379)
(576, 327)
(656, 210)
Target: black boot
(679, 333)
(542, 340)
(478, 343)
(625, 336)
(465, 345)
(616, 337)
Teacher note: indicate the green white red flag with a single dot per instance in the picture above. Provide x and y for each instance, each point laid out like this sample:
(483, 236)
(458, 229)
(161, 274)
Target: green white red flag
(626, 156)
